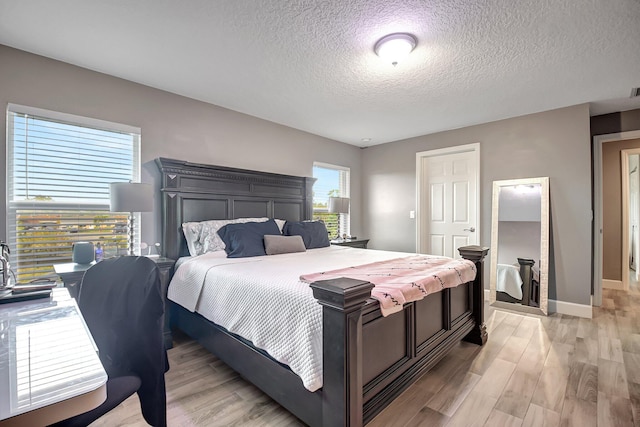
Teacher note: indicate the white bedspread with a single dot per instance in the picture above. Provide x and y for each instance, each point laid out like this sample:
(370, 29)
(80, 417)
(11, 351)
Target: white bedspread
(508, 280)
(279, 313)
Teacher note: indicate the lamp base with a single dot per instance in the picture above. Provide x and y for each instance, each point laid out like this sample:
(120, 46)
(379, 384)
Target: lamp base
(131, 235)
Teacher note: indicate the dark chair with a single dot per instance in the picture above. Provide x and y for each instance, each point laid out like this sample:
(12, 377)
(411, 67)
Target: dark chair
(121, 302)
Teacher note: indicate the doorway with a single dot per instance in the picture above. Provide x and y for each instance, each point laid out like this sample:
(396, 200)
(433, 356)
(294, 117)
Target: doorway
(630, 163)
(617, 262)
(448, 188)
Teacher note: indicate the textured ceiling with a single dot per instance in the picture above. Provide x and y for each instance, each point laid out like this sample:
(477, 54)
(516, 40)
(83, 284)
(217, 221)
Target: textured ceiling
(310, 64)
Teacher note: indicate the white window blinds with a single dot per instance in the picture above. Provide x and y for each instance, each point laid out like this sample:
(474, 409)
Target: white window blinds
(331, 181)
(58, 172)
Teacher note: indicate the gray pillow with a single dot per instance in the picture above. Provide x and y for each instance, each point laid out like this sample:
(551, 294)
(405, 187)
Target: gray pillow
(275, 245)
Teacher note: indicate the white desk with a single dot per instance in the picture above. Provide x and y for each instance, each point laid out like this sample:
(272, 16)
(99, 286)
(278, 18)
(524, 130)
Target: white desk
(49, 366)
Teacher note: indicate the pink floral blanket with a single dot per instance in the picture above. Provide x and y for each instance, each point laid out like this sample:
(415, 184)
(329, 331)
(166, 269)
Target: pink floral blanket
(402, 280)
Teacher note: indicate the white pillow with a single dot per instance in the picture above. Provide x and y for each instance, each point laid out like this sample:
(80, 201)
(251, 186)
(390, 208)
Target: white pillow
(191, 232)
(280, 224)
(202, 237)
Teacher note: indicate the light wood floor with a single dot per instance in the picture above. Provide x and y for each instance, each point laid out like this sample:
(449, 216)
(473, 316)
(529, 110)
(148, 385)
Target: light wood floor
(534, 371)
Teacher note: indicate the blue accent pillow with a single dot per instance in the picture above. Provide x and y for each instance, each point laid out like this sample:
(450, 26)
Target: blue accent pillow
(247, 239)
(314, 233)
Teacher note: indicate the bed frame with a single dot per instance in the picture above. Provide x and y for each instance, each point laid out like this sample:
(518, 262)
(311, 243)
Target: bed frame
(530, 286)
(368, 360)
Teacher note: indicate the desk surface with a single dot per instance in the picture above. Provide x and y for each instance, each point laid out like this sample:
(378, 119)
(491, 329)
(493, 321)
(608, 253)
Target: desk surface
(49, 366)
(71, 267)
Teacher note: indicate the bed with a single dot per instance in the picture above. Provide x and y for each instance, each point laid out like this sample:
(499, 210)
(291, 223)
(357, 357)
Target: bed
(359, 376)
(518, 283)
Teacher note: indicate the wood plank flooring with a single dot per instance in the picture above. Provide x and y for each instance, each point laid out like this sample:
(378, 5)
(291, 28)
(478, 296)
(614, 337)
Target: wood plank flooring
(534, 371)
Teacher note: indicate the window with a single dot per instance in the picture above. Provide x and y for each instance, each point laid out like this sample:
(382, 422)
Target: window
(331, 181)
(59, 168)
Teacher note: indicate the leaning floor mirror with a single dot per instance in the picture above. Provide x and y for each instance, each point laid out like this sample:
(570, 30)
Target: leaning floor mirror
(520, 245)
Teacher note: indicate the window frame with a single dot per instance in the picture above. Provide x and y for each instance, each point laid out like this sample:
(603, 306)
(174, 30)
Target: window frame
(344, 184)
(80, 209)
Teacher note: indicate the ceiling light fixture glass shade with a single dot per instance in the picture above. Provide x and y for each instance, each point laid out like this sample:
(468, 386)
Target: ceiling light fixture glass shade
(395, 47)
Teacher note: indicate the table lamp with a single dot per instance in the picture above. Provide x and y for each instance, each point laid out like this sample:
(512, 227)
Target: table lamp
(130, 197)
(339, 205)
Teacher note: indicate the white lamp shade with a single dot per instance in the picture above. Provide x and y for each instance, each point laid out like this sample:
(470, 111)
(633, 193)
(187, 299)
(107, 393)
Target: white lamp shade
(130, 197)
(338, 205)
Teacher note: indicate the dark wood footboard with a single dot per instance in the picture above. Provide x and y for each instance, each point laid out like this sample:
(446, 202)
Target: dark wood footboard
(368, 359)
(530, 288)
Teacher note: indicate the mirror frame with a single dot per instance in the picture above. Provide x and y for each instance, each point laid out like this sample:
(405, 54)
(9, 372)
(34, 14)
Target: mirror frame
(544, 245)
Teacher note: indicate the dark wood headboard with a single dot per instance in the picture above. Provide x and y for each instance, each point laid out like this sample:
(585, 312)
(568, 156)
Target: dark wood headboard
(197, 192)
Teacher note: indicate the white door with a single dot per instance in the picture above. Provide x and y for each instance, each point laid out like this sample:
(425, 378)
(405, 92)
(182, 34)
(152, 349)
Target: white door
(448, 212)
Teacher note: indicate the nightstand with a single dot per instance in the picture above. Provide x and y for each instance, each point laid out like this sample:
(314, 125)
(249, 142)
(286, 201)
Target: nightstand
(71, 275)
(165, 265)
(354, 243)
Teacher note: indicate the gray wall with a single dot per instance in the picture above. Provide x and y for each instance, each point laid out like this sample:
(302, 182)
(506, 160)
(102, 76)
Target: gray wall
(172, 126)
(553, 143)
(518, 239)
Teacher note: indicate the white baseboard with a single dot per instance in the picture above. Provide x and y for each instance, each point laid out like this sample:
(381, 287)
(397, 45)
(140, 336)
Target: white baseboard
(612, 284)
(571, 309)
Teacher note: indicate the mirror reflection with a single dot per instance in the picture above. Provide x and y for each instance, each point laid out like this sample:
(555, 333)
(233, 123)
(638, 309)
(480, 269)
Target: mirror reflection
(520, 244)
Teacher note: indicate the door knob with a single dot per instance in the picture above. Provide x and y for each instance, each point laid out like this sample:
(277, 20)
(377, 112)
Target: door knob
(472, 229)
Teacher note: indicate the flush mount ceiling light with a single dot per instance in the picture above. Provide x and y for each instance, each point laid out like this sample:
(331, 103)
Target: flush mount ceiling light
(395, 47)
